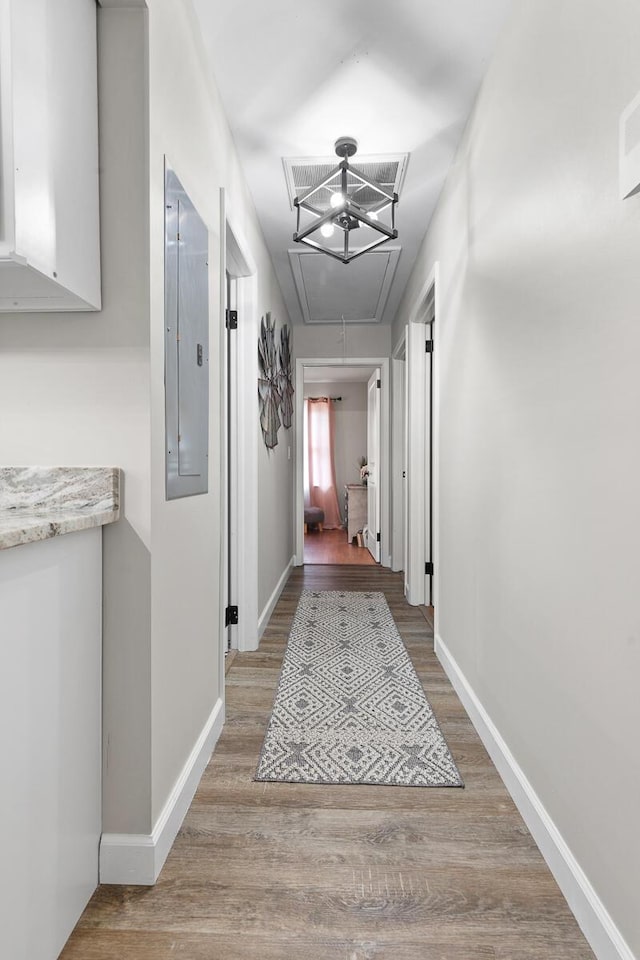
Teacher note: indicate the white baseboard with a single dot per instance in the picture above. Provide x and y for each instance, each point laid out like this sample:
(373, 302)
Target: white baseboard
(605, 939)
(263, 619)
(138, 858)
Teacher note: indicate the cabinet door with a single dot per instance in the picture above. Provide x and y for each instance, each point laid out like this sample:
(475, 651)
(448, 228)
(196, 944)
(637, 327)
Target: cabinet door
(50, 739)
(186, 343)
(49, 205)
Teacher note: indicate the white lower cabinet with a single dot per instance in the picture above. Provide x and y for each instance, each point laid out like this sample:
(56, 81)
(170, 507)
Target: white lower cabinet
(50, 739)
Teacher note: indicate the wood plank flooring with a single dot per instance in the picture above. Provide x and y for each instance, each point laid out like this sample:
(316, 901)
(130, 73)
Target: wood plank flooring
(265, 871)
(332, 546)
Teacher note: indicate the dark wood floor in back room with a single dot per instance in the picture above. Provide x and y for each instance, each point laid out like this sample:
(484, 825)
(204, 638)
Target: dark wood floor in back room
(265, 871)
(332, 546)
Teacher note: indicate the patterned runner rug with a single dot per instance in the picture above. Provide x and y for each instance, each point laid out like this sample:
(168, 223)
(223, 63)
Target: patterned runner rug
(349, 707)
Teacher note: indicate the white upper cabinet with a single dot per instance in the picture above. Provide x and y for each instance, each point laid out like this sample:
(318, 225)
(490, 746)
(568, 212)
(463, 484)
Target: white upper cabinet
(49, 209)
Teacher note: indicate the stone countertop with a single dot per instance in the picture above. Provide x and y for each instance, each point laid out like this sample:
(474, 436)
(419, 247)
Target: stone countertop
(37, 503)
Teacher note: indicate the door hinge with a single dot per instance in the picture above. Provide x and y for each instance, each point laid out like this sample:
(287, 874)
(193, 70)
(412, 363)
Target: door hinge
(377, 538)
(378, 384)
(231, 617)
(232, 319)
(428, 569)
(429, 346)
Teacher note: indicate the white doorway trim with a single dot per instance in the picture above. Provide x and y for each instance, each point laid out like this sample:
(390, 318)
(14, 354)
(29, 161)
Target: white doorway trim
(372, 543)
(385, 498)
(398, 454)
(418, 488)
(434, 277)
(236, 257)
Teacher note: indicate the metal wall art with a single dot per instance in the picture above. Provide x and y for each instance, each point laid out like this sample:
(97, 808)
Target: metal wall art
(275, 386)
(268, 393)
(286, 378)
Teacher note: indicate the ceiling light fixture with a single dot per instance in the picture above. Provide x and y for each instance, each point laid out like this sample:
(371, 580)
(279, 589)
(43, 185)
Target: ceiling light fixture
(349, 200)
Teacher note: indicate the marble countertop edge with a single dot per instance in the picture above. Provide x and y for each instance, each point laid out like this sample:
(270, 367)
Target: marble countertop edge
(38, 503)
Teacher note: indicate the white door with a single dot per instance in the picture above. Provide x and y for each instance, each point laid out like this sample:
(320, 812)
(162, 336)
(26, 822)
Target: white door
(405, 485)
(373, 463)
(428, 468)
(398, 464)
(231, 483)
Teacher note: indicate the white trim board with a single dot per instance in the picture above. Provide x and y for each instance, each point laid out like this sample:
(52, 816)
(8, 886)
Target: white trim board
(245, 567)
(263, 619)
(594, 920)
(398, 469)
(138, 858)
(418, 369)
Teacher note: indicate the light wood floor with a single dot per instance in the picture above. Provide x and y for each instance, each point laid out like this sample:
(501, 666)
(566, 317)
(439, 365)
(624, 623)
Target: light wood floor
(332, 546)
(264, 871)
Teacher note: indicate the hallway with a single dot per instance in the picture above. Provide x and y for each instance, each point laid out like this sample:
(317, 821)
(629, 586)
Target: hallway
(275, 871)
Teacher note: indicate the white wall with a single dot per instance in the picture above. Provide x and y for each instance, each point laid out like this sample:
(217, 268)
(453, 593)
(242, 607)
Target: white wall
(539, 457)
(350, 429)
(327, 340)
(187, 125)
(275, 481)
(74, 389)
(88, 389)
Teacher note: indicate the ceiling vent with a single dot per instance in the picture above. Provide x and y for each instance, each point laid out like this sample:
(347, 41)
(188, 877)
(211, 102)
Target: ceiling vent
(301, 173)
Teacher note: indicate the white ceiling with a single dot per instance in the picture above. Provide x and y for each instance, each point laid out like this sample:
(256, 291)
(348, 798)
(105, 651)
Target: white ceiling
(400, 76)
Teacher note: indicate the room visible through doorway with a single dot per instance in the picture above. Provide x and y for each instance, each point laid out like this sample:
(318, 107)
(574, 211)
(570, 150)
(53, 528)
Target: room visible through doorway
(341, 469)
(331, 546)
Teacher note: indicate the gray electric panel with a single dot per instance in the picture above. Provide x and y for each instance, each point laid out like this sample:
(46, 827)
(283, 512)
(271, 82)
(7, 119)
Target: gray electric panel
(186, 310)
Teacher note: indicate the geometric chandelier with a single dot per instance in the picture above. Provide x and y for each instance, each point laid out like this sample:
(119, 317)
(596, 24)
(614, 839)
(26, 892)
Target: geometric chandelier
(341, 215)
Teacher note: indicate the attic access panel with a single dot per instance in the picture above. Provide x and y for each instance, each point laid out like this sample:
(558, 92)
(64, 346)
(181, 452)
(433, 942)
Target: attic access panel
(329, 290)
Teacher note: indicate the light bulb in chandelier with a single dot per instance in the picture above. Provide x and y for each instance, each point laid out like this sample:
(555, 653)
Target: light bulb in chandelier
(337, 200)
(326, 229)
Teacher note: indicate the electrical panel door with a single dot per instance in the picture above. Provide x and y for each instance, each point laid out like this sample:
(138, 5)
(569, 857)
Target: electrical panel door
(186, 343)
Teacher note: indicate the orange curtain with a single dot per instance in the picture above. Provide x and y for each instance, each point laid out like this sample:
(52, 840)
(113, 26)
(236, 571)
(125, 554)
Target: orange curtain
(319, 468)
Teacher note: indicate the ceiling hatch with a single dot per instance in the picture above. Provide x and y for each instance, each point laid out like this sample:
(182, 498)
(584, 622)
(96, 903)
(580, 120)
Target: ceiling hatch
(301, 173)
(330, 291)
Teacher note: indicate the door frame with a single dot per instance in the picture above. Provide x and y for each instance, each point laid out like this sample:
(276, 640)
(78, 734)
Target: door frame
(385, 499)
(399, 453)
(421, 413)
(374, 432)
(230, 445)
(235, 253)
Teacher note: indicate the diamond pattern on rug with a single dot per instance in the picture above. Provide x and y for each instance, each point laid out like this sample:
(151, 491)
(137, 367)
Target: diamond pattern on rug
(349, 706)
